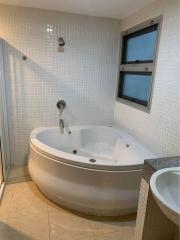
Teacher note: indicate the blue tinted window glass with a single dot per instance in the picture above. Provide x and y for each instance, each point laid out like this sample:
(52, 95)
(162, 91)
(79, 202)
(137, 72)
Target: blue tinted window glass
(141, 48)
(136, 86)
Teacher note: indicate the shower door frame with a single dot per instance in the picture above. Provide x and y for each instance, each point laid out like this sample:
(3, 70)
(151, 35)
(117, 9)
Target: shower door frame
(5, 147)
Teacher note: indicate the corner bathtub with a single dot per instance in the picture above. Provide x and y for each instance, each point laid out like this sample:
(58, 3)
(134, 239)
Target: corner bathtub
(95, 170)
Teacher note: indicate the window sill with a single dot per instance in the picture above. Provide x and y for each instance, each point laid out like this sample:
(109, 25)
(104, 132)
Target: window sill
(133, 105)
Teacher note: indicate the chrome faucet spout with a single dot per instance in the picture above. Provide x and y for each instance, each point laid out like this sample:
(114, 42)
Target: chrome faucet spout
(61, 125)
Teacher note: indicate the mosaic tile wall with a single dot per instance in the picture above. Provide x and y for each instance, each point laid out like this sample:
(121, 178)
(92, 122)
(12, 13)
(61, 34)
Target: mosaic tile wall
(84, 75)
(159, 130)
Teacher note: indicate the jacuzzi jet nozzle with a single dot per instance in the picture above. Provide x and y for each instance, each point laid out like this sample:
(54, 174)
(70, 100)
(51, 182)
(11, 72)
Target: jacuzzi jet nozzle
(92, 160)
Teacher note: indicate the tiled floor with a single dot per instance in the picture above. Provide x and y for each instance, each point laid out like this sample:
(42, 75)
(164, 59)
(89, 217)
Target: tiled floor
(26, 214)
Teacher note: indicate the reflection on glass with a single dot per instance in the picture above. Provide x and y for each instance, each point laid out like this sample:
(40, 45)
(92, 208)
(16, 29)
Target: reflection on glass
(140, 46)
(136, 86)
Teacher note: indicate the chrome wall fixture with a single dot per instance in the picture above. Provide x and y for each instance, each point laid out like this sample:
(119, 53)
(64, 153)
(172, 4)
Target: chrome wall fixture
(24, 57)
(61, 43)
(61, 104)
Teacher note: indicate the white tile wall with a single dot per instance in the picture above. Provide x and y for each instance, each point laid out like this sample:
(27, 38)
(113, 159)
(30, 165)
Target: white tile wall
(159, 130)
(84, 75)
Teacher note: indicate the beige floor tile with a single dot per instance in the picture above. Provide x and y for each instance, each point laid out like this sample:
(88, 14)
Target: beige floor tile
(5, 205)
(27, 205)
(100, 228)
(67, 226)
(35, 227)
(26, 200)
(2, 229)
(22, 187)
(123, 234)
(26, 214)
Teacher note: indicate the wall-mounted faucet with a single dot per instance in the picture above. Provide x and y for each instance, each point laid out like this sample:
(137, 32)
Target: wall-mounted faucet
(61, 104)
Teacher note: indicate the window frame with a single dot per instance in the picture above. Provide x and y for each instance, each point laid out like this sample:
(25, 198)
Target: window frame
(134, 100)
(140, 32)
(141, 66)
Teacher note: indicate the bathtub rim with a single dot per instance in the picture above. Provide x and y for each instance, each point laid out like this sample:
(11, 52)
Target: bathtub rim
(77, 160)
(89, 167)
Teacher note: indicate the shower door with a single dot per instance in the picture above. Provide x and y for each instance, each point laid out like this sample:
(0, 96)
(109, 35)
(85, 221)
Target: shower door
(1, 168)
(4, 131)
(1, 153)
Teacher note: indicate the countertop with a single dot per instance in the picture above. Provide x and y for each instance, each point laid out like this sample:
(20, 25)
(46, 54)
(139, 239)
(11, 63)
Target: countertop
(153, 165)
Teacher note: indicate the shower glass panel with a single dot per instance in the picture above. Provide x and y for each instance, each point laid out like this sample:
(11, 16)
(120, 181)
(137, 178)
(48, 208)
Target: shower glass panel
(4, 131)
(1, 168)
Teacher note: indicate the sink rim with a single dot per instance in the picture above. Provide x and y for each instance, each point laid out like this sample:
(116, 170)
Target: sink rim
(155, 191)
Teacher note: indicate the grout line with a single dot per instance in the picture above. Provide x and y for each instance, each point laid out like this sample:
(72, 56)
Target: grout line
(49, 227)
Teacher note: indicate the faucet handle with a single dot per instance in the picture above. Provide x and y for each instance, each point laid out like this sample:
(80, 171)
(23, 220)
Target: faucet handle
(61, 104)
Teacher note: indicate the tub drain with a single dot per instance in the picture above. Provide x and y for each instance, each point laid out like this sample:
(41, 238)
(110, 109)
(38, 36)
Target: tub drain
(75, 151)
(127, 145)
(92, 160)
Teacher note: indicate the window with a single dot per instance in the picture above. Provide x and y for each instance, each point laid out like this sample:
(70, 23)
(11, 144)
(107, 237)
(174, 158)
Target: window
(135, 87)
(139, 47)
(138, 58)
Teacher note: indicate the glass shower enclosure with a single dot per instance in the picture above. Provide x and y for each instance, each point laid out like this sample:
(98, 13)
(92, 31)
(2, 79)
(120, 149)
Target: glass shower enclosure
(1, 166)
(4, 134)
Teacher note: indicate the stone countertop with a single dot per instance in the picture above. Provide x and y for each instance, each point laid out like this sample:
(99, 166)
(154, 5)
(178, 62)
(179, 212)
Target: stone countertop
(153, 165)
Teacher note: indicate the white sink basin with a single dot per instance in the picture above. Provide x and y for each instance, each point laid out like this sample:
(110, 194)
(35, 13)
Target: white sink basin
(165, 186)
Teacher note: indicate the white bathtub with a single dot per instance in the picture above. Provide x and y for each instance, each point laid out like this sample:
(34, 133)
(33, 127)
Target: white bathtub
(102, 178)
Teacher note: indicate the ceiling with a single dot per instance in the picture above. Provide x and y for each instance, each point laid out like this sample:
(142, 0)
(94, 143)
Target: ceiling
(100, 8)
